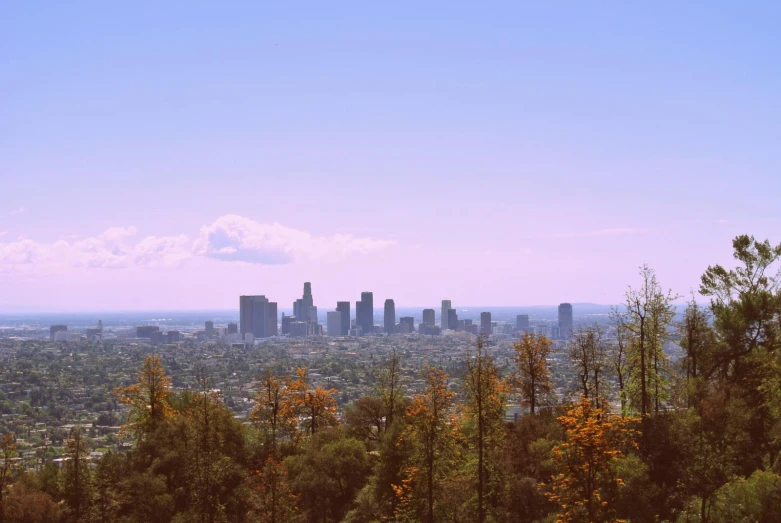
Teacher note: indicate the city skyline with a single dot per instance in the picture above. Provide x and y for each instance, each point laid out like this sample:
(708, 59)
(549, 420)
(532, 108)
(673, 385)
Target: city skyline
(253, 148)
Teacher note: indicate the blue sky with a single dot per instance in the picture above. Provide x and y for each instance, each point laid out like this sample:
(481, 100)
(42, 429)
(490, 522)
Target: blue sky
(490, 153)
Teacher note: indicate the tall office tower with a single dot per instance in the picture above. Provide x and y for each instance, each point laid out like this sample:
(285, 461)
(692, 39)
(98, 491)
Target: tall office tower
(565, 320)
(485, 323)
(312, 314)
(522, 323)
(255, 314)
(272, 328)
(286, 321)
(446, 306)
(406, 324)
(344, 308)
(390, 317)
(233, 328)
(302, 306)
(452, 319)
(334, 323)
(209, 329)
(367, 305)
(428, 317)
(100, 325)
(359, 316)
(298, 309)
(56, 328)
(308, 300)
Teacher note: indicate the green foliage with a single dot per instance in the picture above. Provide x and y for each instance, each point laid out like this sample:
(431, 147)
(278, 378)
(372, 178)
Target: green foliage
(742, 500)
(327, 475)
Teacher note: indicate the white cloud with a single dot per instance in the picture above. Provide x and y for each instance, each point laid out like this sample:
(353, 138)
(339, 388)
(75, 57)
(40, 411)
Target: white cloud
(229, 238)
(19, 252)
(107, 250)
(165, 251)
(235, 238)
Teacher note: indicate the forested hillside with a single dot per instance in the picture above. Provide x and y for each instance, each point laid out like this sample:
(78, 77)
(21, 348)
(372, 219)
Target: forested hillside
(641, 437)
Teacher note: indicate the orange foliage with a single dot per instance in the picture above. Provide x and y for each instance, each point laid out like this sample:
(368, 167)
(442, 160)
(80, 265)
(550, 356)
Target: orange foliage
(148, 399)
(587, 481)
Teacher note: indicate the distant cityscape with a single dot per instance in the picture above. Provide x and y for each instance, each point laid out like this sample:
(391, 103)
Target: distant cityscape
(259, 318)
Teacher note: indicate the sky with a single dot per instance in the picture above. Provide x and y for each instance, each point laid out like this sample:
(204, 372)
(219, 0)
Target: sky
(175, 155)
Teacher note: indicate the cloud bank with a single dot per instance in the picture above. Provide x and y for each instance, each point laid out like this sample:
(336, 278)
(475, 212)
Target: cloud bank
(234, 238)
(229, 238)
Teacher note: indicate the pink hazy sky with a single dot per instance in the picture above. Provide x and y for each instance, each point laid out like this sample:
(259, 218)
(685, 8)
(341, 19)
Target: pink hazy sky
(174, 157)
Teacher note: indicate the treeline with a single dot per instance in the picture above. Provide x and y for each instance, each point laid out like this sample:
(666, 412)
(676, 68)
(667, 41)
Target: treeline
(639, 438)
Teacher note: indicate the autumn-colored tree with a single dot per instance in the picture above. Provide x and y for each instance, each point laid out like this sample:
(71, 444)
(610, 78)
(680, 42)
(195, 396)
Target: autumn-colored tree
(318, 406)
(274, 412)
(272, 499)
(76, 476)
(587, 483)
(7, 452)
(533, 378)
(485, 401)
(431, 433)
(148, 399)
(588, 353)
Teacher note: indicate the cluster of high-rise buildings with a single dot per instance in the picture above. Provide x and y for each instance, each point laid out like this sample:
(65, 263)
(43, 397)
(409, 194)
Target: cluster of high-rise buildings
(258, 319)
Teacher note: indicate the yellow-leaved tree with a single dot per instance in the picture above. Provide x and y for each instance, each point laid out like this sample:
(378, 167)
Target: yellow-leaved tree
(148, 399)
(587, 484)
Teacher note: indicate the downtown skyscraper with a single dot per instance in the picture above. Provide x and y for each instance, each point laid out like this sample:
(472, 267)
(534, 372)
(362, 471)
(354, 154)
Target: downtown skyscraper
(302, 307)
(344, 308)
(446, 306)
(257, 316)
(565, 320)
(364, 313)
(389, 317)
(486, 327)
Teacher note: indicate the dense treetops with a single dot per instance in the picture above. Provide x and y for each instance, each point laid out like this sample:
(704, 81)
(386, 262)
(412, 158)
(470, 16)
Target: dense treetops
(639, 437)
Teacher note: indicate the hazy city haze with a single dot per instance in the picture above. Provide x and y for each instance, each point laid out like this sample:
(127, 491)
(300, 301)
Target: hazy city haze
(497, 154)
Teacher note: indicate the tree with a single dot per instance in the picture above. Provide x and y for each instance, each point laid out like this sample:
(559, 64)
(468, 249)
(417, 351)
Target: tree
(389, 388)
(697, 339)
(533, 377)
(430, 432)
(327, 476)
(618, 356)
(746, 307)
(210, 469)
(272, 499)
(586, 484)
(485, 395)
(274, 412)
(148, 399)
(76, 476)
(318, 406)
(365, 418)
(649, 314)
(587, 352)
